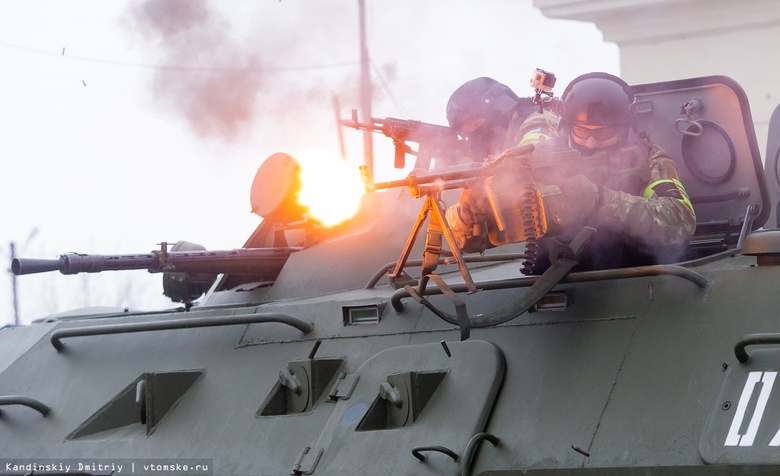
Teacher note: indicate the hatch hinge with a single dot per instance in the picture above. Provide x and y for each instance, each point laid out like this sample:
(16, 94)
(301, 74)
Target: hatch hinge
(306, 461)
(343, 387)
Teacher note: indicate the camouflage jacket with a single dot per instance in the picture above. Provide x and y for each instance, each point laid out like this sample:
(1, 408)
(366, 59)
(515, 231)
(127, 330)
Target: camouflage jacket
(660, 214)
(642, 212)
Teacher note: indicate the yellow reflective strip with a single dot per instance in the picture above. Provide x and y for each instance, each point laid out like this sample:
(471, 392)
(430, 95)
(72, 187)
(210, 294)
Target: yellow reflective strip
(650, 191)
(533, 137)
(686, 200)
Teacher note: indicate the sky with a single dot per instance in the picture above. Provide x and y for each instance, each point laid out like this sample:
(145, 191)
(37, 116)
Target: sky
(127, 123)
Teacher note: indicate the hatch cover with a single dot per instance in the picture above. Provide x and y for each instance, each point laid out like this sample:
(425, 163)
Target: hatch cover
(449, 404)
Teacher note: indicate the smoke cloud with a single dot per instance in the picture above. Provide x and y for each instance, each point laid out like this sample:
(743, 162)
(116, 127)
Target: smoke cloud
(262, 73)
(210, 79)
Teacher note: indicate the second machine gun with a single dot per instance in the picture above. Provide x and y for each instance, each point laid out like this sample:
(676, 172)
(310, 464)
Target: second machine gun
(435, 141)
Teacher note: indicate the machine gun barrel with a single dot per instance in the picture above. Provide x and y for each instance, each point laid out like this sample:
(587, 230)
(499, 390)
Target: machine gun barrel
(263, 261)
(416, 180)
(478, 171)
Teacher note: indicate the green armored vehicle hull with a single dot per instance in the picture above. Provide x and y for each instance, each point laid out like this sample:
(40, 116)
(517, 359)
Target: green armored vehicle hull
(325, 360)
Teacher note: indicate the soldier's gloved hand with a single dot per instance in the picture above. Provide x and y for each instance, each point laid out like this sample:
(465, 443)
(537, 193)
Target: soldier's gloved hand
(473, 204)
(467, 220)
(580, 196)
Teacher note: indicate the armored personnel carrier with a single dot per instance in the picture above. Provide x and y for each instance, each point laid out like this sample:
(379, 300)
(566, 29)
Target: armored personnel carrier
(365, 349)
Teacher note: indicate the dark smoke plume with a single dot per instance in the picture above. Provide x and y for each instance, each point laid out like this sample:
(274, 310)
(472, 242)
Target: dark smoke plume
(209, 79)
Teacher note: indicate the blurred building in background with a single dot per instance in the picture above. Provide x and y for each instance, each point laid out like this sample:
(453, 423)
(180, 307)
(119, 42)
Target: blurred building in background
(673, 39)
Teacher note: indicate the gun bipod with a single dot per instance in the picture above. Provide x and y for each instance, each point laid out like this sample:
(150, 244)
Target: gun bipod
(437, 227)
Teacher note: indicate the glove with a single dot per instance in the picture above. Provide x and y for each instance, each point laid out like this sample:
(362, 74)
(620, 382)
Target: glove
(474, 206)
(580, 197)
(467, 220)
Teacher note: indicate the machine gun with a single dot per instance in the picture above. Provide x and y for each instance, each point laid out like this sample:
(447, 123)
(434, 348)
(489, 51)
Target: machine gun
(434, 141)
(521, 210)
(437, 141)
(189, 269)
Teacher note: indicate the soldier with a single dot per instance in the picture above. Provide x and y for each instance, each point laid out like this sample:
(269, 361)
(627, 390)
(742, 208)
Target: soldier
(487, 114)
(628, 190)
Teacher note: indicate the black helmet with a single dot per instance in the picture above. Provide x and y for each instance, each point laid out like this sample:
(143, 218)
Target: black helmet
(480, 98)
(598, 99)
